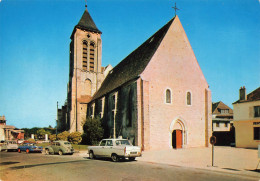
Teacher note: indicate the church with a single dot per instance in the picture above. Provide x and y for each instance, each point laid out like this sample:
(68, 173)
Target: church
(157, 96)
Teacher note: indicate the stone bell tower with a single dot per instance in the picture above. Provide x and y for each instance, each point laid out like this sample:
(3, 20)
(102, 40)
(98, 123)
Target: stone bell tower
(85, 72)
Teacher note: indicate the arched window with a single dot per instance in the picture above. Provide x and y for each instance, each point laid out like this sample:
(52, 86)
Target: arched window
(85, 56)
(91, 57)
(188, 98)
(168, 96)
(88, 87)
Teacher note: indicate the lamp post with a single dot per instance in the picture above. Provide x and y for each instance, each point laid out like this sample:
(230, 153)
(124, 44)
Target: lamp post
(57, 120)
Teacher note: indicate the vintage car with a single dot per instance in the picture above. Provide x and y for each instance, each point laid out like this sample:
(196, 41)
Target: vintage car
(29, 147)
(60, 147)
(9, 146)
(116, 149)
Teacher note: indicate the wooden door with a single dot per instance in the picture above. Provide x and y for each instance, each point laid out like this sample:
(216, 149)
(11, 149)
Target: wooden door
(177, 139)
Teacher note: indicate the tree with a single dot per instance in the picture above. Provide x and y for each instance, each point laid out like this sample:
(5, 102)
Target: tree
(29, 131)
(38, 132)
(93, 131)
(63, 136)
(41, 133)
(75, 137)
(52, 137)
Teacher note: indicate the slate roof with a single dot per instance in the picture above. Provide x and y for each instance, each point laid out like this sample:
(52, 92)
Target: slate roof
(134, 64)
(86, 23)
(253, 96)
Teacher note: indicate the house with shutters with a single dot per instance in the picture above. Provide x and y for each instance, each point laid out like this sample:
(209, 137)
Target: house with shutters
(157, 96)
(247, 118)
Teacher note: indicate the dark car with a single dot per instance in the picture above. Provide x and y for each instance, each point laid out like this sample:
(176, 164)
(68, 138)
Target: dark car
(29, 147)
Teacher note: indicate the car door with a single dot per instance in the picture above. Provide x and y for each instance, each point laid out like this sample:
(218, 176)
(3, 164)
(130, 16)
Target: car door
(100, 151)
(108, 148)
(56, 147)
(23, 147)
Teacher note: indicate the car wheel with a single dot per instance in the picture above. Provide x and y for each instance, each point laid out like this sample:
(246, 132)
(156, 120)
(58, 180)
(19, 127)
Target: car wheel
(47, 152)
(91, 155)
(132, 158)
(27, 151)
(60, 152)
(19, 150)
(114, 157)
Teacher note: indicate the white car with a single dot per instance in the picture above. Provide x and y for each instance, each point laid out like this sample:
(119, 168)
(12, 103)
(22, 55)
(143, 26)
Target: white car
(116, 149)
(9, 146)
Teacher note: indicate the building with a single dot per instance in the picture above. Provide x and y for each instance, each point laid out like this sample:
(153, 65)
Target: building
(157, 96)
(247, 119)
(62, 122)
(222, 124)
(85, 73)
(8, 132)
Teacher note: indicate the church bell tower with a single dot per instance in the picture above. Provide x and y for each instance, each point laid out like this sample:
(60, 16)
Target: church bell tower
(85, 73)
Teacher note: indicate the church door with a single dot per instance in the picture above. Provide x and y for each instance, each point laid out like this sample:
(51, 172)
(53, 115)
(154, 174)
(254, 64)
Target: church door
(177, 139)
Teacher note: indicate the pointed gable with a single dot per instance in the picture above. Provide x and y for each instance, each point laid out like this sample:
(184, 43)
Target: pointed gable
(134, 64)
(218, 106)
(175, 60)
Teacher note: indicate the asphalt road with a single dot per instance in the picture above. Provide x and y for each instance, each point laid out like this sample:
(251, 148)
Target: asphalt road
(35, 166)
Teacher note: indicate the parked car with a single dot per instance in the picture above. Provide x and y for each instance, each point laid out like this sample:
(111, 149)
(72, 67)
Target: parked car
(9, 146)
(29, 147)
(60, 147)
(116, 149)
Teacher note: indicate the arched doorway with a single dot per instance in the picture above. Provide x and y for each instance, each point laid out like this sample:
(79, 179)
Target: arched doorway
(178, 134)
(177, 139)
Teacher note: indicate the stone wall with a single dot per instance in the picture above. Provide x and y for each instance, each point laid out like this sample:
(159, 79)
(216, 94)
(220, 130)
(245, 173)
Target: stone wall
(122, 106)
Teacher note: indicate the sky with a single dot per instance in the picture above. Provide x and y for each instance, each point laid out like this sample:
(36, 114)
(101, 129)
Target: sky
(35, 37)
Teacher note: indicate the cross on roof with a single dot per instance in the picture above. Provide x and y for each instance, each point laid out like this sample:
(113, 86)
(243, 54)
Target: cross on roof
(86, 3)
(175, 8)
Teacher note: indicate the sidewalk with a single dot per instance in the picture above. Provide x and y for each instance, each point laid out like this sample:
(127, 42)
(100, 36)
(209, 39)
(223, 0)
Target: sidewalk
(226, 159)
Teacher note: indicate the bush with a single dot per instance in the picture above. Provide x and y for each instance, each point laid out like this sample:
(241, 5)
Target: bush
(52, 137)
(93, 131)
(63, 136)
(75, 137)
(31, 140)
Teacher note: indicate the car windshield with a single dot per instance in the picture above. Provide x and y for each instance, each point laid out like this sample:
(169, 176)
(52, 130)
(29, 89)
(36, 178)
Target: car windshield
(11, 142)
(123, 142)
(66, 143)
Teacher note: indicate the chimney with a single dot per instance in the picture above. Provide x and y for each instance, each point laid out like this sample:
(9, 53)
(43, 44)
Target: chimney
(242, 94)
